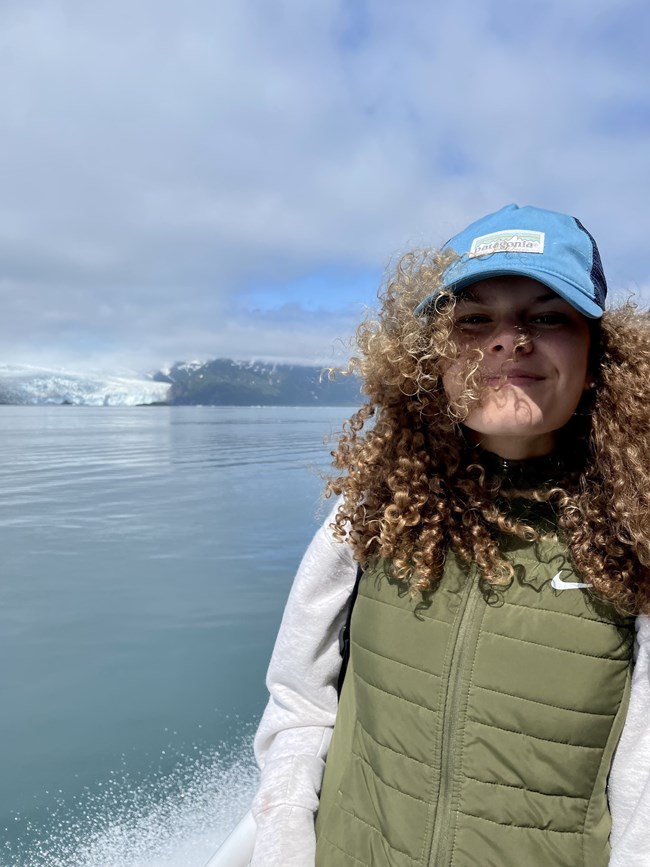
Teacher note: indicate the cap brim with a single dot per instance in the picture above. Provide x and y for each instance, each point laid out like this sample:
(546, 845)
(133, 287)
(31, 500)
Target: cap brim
(567, 291)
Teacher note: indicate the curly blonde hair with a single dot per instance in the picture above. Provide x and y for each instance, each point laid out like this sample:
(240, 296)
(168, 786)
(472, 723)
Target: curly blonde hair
(412, 487)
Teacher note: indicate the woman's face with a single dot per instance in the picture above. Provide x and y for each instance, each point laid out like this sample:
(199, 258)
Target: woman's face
(530, 390)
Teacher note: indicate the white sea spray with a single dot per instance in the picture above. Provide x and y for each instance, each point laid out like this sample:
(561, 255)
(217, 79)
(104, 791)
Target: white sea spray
(175, 820)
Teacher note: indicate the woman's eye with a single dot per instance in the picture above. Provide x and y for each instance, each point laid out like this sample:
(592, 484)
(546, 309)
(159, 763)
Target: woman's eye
(548, 319)
(472, 319)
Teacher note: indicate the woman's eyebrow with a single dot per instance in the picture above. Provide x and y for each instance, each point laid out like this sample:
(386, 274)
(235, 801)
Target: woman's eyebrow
(476, 298)
(469, 295)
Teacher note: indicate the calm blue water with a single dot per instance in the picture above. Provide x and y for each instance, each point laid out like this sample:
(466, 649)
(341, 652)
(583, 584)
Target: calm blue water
(146, 557)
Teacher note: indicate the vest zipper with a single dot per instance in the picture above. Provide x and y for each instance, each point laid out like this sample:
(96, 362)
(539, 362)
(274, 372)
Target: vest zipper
(450, 722)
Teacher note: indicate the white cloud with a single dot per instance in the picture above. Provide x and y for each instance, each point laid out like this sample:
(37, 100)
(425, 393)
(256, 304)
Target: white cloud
(157, 158)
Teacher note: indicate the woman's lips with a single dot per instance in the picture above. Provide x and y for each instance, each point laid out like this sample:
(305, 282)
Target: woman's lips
(513, 377)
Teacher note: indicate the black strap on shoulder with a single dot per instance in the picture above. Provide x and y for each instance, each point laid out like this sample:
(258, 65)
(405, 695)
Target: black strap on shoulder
(344, 632)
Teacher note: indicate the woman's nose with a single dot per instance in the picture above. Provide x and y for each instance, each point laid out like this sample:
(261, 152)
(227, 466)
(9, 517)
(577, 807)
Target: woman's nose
(511, 340)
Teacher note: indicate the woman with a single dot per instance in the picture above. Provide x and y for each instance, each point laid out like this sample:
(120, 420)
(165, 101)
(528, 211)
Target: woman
(498, 506)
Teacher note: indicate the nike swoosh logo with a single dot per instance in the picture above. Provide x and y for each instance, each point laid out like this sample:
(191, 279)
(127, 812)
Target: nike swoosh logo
(559, 584)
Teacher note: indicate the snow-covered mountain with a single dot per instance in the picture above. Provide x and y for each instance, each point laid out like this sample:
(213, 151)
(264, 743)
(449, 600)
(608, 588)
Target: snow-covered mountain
(224, 382)
(20, 384)
(220, 382)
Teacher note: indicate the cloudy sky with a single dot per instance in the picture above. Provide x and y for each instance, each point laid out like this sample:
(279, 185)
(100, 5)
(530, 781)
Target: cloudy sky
(186, 179)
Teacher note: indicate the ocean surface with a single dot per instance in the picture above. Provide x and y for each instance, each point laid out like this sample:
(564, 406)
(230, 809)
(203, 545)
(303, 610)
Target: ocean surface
(146, 556)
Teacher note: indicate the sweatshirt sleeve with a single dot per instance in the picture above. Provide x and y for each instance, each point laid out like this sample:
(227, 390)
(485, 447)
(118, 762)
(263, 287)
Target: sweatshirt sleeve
(629, 782)
(296, 727)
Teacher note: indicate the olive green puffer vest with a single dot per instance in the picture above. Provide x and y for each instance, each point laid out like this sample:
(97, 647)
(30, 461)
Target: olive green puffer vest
(476, 733)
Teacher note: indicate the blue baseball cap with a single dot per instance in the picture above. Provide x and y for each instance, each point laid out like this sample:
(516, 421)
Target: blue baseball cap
(553, 248)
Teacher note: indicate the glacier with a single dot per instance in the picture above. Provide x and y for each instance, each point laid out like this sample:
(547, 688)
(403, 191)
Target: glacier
(26, 385)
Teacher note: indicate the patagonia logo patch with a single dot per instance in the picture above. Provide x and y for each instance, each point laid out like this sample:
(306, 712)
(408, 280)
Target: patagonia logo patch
(508, 241)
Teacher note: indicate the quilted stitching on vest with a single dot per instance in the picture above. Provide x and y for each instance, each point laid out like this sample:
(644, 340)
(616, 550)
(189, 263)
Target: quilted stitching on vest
(480, 738)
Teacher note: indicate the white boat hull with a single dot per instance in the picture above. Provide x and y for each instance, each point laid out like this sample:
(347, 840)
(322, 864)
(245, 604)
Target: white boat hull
(237, 848)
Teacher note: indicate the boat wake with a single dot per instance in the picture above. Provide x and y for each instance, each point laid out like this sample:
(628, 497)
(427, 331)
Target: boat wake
(175, 821)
